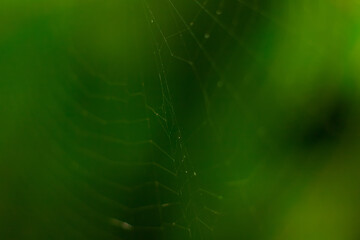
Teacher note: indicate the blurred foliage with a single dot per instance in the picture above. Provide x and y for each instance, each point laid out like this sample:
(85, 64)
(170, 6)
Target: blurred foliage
(172, 119)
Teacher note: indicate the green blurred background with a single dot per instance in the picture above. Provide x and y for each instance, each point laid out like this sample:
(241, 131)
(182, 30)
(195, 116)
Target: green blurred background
(173, 119)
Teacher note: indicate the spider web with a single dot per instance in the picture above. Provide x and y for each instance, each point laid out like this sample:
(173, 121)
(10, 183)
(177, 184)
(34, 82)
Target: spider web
(194, 47)
(141, 147)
